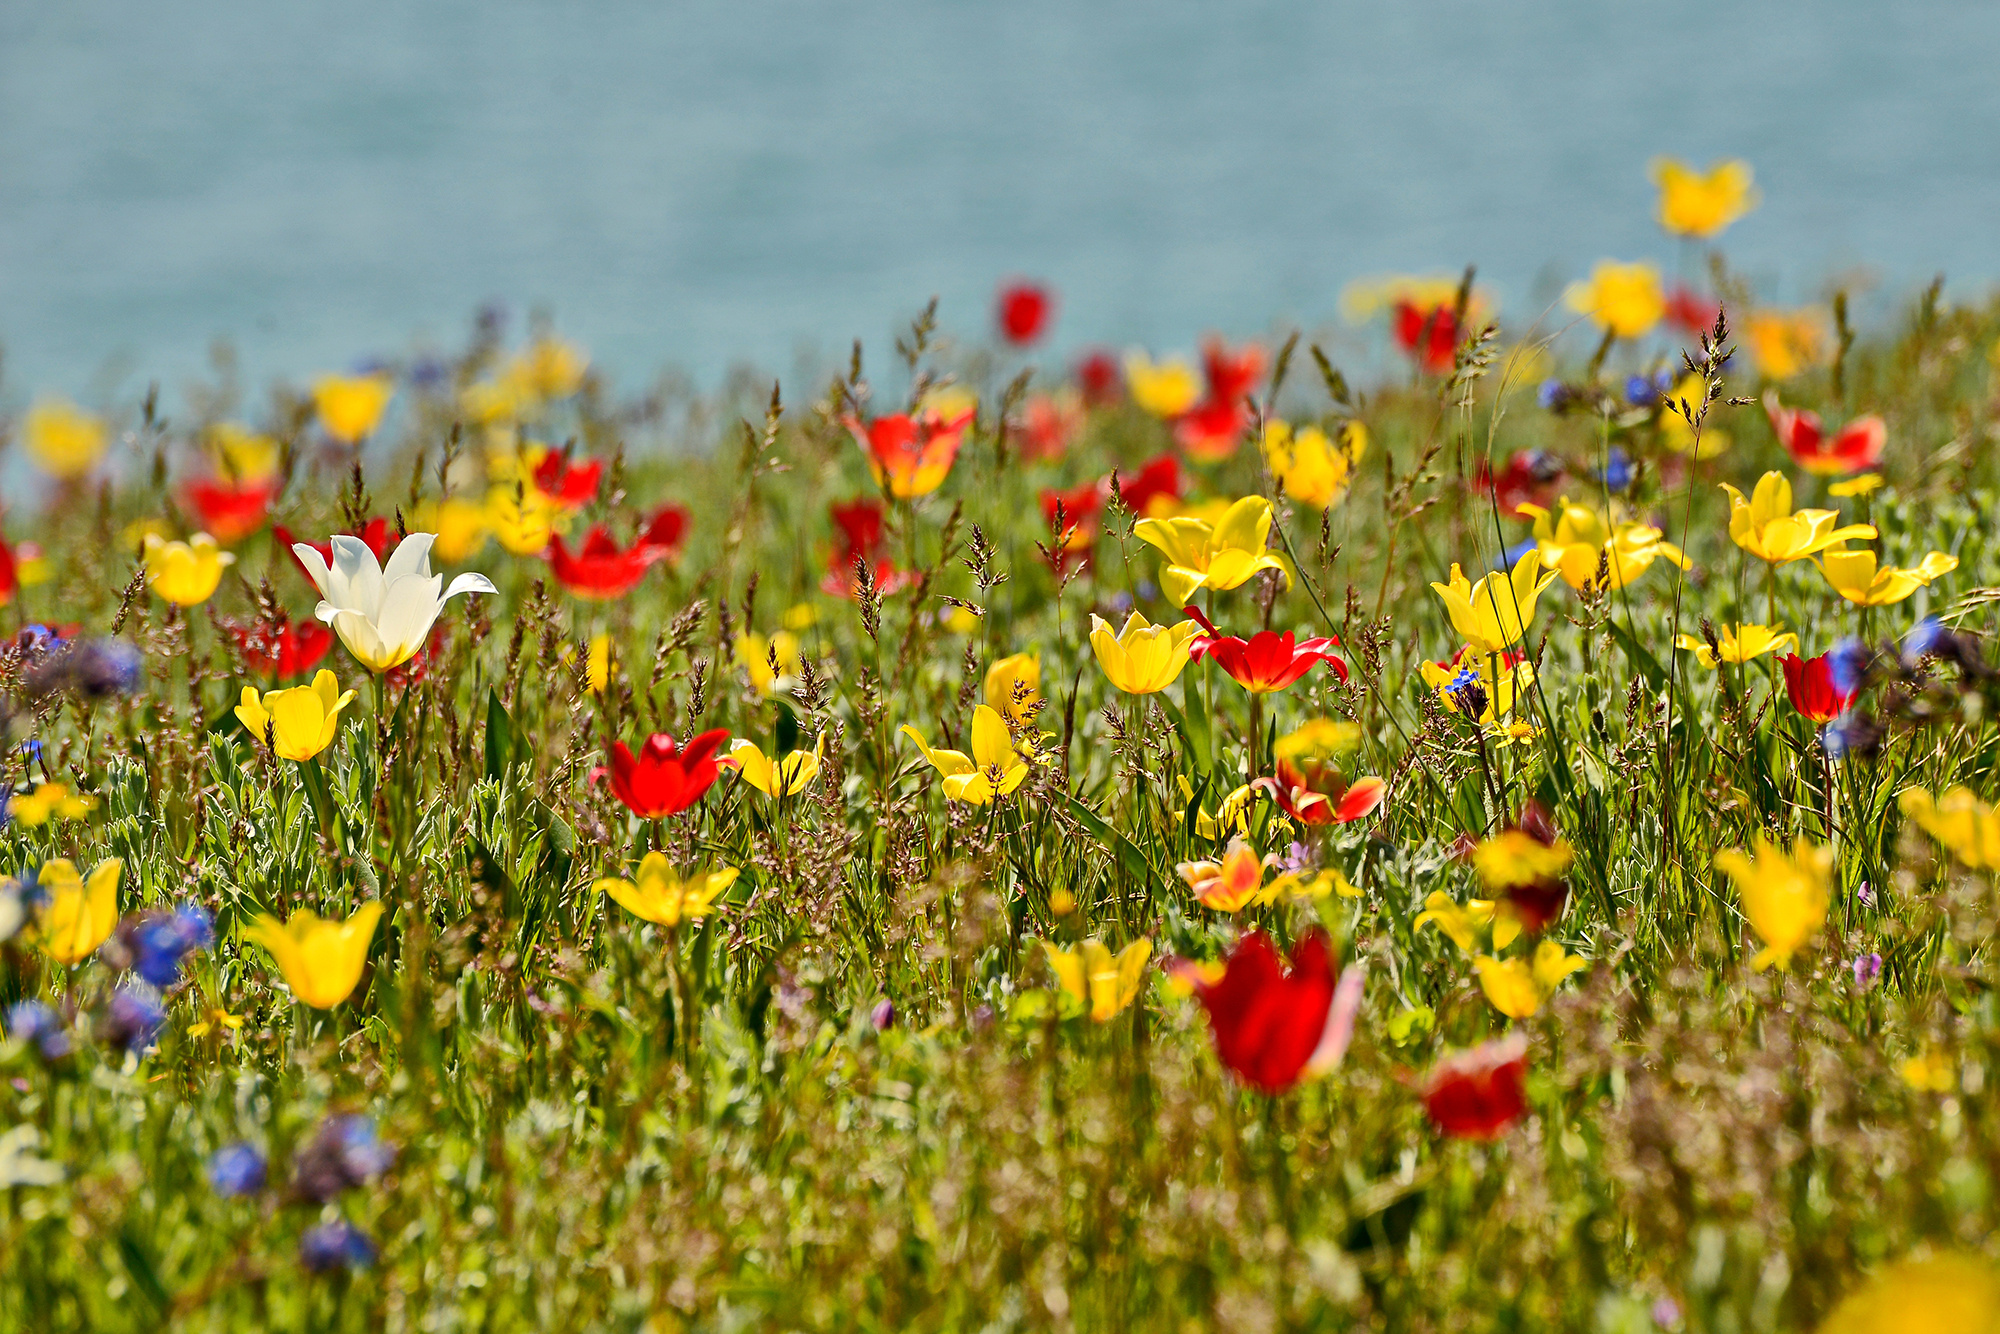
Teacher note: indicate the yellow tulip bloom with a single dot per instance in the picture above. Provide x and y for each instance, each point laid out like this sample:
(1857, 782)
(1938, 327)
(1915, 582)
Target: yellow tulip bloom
(1221, 555)
(1464, 924)
(1513, 859)
(1960, 821)
(1740, 643)
(1678, 432)
(1929, 1072)
(187, 573)
(1165, 389)
(64, 441)
(1701, 204)
(1627, 299)
(460, 525)
(994, 769)
(1765, 525)
(1855, 576)
(1311, 467)
(80, 912)
(1103, 983)
(661, 896)
(1518, 987)
(1572, 539)
(1866, 483)
(754, 652)
(1785, 342)
(1946, 1294)
(1142, 658)
(350, 406)
(774, 778)
(1233, 814)
(49, 801)
(1784, 897)
(1318, 738)
(1494, 613)
(523, 518)
(242, 455)
(552, 368)
(299, 722)
(1013, 686)
(320, 958)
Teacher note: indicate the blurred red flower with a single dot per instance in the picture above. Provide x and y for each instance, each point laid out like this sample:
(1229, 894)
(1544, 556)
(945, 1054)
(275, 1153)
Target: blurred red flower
(570, 487)
(1809, 681)
(1693, 314)
(600, 569)
(1159, 479)
(1100, 377)
(1428, 334)
(666, 530)
(10, 575)
(282, 648)
(1272, 1027)
(1023, 312)
(861, 538)
(228, 512)
(1214, 428)
(663, 779)
(1855, 447)
(1048, 423)
(1478, 1093)
(1316, 792)
(1076, 532)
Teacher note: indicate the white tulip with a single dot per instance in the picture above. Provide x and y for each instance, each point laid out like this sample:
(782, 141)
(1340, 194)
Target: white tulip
(383, 615)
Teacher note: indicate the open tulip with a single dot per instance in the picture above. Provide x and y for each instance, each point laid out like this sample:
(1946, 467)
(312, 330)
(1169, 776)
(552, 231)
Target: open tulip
(994, 769)
(1220, 555)
(320, 958)
(1013, 686)
(1265, 662)
(1575, 540)
(1624, 299)
(600, 569)
(78, 913)
(774, 777)
(1465, 923)
(1739, 643)
(571, 486)
(299, 722)
(350, 406)
(1960, 821)
(1310, 465)
(1856, 577)
(64, 441)
(911, 456)
(1231, 884)
(1784, 896)
(1142, 658)
(1855, 447)
(382, 614)
(1477, 1093)
(1316, 792)
(186, 573)
(1272, 1028)
(1702, 203)
(1810, 683)
(1518, 987)
(1494, 614)
(661, 896)
(1765, 525)
(1484, 686)
(1104, 984)
(663, 779)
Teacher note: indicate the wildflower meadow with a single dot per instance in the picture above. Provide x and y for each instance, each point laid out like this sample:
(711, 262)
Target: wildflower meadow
(989, 841)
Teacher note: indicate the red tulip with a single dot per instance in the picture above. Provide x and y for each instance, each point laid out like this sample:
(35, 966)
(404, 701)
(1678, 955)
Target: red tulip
(1478, 1093)
(1079, 507)
(663, 779)
(861, 538)
(1694, 314)
(572, 488)
(1271, 1028)
(1856, 447)
(1213, 429)
(1231, 374)
(667, 529)
(1316, 792)
(283, 648)
(1100, 377)
(1428, 334)
(376, 534)
(1159, 479)
(10, 575)
(1048, 424)
(1809, 681)
(1265, 662)
(229, 512)
(600, 570)
(1023, 312)
(910, 455)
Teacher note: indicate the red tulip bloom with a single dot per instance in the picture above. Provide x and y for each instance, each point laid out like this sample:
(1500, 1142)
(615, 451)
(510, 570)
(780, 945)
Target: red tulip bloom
(1100, 377)
(1157, 480)
(861, 538)
(1476, 1094)
(1212, 429)
(1531, 476)
(572, 488)
(1856, 447)
(910, 456)
(10, 574)
(1266, 661)
(1079, 507)
(1023, 312)
(663, 779)
(375, 534)
(1231, 374)
(666, 530)
(600, 570)
(1272, 1027)
(1316, 792)
(1429, 334)
(1809, 681)
(1694, 314)
(283, 648)
(1048, 423)
(229, 512)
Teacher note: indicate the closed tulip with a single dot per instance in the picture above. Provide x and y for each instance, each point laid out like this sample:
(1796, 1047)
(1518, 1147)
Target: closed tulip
(79, 912)
(186, 573)
(299, 722)
(321, 959)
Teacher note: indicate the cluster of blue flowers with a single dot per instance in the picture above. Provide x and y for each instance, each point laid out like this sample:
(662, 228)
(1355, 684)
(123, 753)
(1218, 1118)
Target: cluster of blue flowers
(343, 1154)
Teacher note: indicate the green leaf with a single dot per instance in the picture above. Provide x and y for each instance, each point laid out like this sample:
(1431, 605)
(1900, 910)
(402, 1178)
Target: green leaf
(1129, 857)
(499, 738)
(1640, 656)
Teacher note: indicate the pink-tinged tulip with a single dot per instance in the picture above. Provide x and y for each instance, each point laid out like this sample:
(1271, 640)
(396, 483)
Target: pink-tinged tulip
(1477, 1094)
(1273, 1028)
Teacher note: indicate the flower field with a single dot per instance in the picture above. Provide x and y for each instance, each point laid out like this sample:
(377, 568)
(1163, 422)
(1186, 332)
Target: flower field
(989, 843)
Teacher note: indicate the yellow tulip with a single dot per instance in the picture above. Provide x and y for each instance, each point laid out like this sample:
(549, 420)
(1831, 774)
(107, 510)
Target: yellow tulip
(49, 801)
(299, 722)
(1318, 738)
(1309, 465)
(523, 518)
(775, 778)
(1967, 826)
(1221, 555)
(1855, 576)
(1513, 859)
(1785, 342)
(1142, 658)
(1947, 1294)
(1701, 204)
(1518, 987)
(1233, 814)
(1103, 983)
(320, 958)
(80, 912)
(1765, 525)
(1929, 1072)
(1494, 613)
(1573, 538)
(460, 525)
(187, 573)
(1678, 432)
(662, 897)
(598, 668)
(63, 439)
(755, 653)
(994, 769)
(1784, 897)
(350, 406)
(242, 455)
(1464, 924)
(1165, 389)
(1627, 299)
(1740, 643)
(1013, 686)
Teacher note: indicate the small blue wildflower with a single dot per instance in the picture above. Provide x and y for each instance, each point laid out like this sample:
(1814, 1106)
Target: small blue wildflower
(162, 940)
(32, 1021)
(1617, 469)
(1845, 663)
(343, 1154)
(326, 1247)
(236, 1169)
(1511, 557)
(1926, 637)
(428, 372)
(133, 1019)
(372, 366)
(1553, 395)
(1641, 392)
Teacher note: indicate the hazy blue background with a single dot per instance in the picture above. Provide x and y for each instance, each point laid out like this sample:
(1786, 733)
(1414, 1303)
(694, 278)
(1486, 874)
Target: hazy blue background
(704, 183)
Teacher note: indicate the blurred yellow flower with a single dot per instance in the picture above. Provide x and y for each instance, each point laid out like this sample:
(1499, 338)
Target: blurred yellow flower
(660, 896)
(775, 778)
(1013, 686)
(755, 653)
(523, 518)
(1465, 924)
(1948, 1294)
(187, 573)
(1701, 204)
(1221, 555)
(299, 722)
(64, 441)
(1765, 525)
(351, 406)
(1142, 658)
(598, 668)
(1317, 738)
(460, 525)
(1312, 468)
(1573, 539)
(1785, 342)
(1230, 884)
(77, 914)
(1101, 982)
(1678, 432)
(1929, 1072)
(1627, 299)
(1519, 987)
(49, 801)
(1495, 613)
(241, 454)
(1784, 897)
(1165, 389)
(1514, 859)
(1740, 643)
(320, 958)
(1855, 576)
(1964, 824)
(994, 769)
(552, 368)
(1865, 484)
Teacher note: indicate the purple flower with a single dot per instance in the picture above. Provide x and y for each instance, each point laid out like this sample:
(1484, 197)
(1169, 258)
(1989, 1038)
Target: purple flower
(93, 669)
(343, 1154)
(1926, 637)
(1866, 895)
(133, 1019)
(883, 1016)
(162, 940)
(236, 1169)
(1667, 1313)
(336, 1245)
(32, 1021)
(1867, 971)
(1617, 469)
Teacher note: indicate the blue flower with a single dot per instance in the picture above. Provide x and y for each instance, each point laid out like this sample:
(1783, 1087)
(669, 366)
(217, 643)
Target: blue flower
(1926, 637)
(32, 1021)
(133, 1019)
(344, 1153)
(236, 1169)
(1617, 469)
(1641, 392)
(336, 1245)
(1845, 664)
(162, 940)
(1511, 557)
(1553, 395)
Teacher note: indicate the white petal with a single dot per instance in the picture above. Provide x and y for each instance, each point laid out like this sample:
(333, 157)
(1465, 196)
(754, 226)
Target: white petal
(469, 583)
(411, 556)
(326, 611)
(359, 635)
(315, 565)
(357, 579)
(409, 608)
